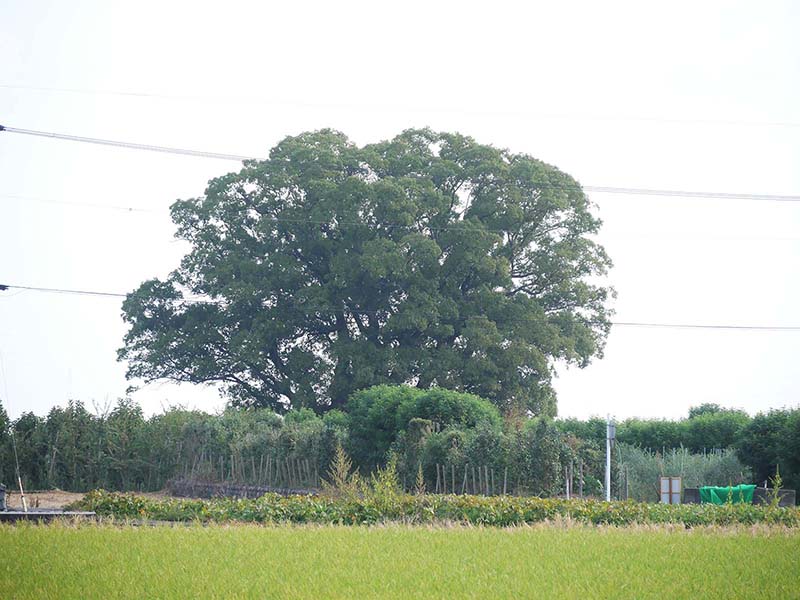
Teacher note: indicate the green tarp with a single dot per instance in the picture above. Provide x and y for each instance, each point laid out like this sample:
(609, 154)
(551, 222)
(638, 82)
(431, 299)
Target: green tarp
(710, 494)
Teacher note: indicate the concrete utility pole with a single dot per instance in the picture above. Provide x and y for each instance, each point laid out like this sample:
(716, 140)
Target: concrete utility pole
(611, 433)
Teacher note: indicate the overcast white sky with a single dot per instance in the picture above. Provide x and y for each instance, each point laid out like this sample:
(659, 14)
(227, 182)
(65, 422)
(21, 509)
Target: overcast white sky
(689, 95)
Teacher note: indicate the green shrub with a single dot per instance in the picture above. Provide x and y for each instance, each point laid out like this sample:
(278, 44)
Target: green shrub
(373, 422)
(379, 415)
(447, 408)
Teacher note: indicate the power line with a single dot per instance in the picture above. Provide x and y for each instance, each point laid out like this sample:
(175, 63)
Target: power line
(131, 145)
(706, 326)
(544, 185)
(691, 194)
(327, 309)
(360, 107)
(30, 288)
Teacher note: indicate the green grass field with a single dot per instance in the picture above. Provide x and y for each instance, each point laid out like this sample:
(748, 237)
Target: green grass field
(548, 561)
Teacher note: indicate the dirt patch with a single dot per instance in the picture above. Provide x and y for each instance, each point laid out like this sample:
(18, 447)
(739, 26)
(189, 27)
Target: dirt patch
(57, 498)
(48, 499)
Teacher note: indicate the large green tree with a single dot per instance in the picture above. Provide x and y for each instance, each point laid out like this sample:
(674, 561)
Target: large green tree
(427, 259)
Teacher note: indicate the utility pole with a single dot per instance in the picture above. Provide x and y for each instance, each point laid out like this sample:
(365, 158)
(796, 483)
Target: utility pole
(611, 433)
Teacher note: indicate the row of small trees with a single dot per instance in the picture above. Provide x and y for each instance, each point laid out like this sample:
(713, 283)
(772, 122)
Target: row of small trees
(454, 442)
(73, 449)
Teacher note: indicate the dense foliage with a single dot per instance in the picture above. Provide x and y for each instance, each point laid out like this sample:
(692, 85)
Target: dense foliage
(763, 443)
(708, 427)
(442, 441)
(427, 259)
(73, 449)
(378, 416)
(499, 511)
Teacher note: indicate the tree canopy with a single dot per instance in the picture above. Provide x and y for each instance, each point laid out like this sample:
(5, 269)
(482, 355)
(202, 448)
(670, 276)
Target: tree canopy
(428, 259)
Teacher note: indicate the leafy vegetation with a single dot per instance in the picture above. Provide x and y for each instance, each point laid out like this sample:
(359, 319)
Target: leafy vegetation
(73, 449)
(393, 562)
(427, 259)
(762, 443)
(379, 416)
(457, 442)
(381, 502)
(708, 427)
(638, 470)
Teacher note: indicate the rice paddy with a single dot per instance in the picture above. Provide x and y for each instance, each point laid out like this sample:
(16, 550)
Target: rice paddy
(395, 561)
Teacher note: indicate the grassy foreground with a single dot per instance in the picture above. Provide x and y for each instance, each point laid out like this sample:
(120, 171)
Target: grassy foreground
(96, 561)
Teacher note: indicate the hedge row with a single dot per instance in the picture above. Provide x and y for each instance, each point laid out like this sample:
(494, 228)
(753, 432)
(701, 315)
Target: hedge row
(497, 511)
